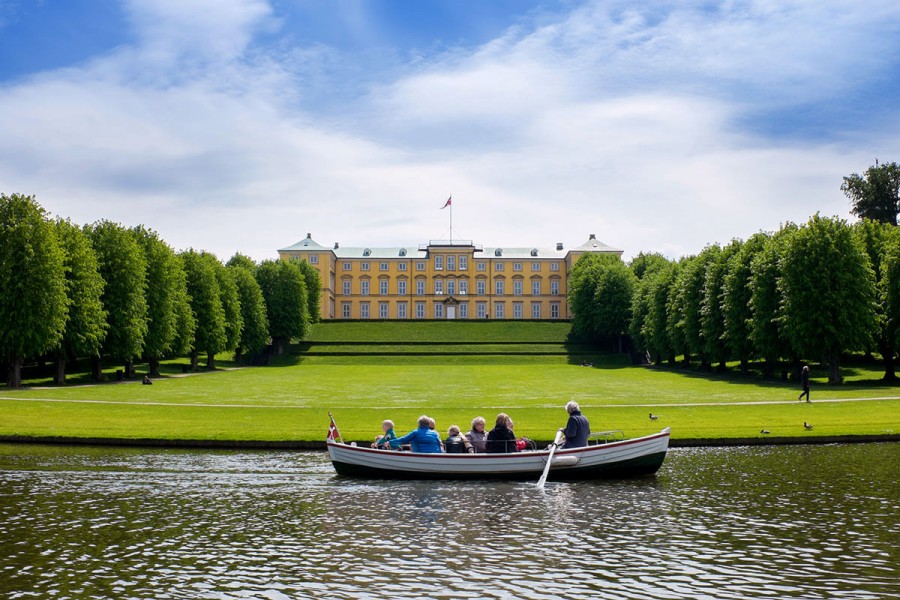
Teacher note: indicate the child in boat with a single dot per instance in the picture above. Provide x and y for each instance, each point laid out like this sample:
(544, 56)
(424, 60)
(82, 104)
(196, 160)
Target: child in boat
(456, 443)
(387, 439)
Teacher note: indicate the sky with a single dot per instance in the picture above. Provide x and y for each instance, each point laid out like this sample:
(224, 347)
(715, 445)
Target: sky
(243, 125)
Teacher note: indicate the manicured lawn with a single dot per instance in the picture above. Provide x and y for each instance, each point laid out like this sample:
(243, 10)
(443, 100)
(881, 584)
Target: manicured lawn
(440, 331)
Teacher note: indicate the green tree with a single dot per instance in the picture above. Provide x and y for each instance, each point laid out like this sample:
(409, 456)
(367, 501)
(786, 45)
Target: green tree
(122, 265)
(736, 293)
(284, 290)
(231, 305)
(206, 306)
(876, 194)
(675, 310)
(165, 283)
(876, 239)
(889, 292)
(656, 329)
(583, 282)
(647, 263)
(33, 304)
(242, 260)
(828, 292)
(255, 332)
(712, 311)
(640, 313)
(86, 326)
(185, 324)
(765, 300)
(313, 290)
(687, 304)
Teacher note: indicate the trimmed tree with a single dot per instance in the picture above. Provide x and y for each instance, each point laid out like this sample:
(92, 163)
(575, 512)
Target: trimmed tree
(313, 290)
(255, 332)
(231, 305)
(206, 307)
(86, 325)
(765, 300)
(736, 295)
(165, 281)
(876, 194)
(123, 267)
(284, 291)
(33, 304)
(185, 324)
(645, 264)
(828, 292)
(712, 312)
(876, 238)
(243, 261)
(656, 326)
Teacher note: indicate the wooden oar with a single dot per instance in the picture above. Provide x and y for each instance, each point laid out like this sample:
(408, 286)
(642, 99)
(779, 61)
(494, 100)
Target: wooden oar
(553, 446)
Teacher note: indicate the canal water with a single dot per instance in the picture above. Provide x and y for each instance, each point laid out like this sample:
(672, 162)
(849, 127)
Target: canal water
(762, 522)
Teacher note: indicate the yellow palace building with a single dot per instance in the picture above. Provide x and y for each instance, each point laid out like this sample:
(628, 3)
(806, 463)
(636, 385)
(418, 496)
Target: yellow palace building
(443, 279)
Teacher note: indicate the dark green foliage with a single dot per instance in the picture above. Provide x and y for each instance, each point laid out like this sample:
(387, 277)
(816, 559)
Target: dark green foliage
(255, 332)
(600, 296)
(313, 290)
(166, 285)
(828, 289)
(645, 264)
(185, 324)
(231, 302)
(765, 299)
(33, 304)
(243, 261)
(284, 290)
(712, 310)
(123, 267)
(206, 304)
(876, 194)
(655, 330)
(86, 325)
(736, 296)
(687, 304)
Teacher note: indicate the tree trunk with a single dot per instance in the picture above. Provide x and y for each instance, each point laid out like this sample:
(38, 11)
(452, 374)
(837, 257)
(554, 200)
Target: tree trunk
(278, 345)
(96, 368)
(769, 368)
(889, 374)
(42, 366)
(672, 362)
(129, 369)
(154, 367)
(686, 362)
(723, 366)
(59, 373)
(745, 366)
(834, 367)
(210, 360)
(194, 361)
(15, 372)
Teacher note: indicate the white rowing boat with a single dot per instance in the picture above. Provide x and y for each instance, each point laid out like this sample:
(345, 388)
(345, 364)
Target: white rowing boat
(604, 459)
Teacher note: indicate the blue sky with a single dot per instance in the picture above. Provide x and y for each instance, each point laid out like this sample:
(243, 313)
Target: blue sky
(243, 124)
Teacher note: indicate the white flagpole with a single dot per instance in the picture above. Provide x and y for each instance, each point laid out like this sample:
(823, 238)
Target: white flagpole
(451, 220)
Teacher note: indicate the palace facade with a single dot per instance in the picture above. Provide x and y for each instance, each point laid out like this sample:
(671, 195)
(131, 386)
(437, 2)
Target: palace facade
(443, 280)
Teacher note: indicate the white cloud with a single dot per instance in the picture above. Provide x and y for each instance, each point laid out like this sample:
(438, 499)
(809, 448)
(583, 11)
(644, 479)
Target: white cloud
(615, 121)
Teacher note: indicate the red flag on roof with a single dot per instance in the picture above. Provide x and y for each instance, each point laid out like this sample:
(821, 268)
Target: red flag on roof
(449, 202)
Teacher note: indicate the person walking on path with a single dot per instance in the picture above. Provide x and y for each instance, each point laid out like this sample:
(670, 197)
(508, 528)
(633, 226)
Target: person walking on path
(804, 380)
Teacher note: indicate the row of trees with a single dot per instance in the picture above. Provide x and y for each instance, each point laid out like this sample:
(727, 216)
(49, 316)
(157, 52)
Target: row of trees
(808, 292)
(108, 292)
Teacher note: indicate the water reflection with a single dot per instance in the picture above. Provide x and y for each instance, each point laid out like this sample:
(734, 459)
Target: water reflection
(810, 522)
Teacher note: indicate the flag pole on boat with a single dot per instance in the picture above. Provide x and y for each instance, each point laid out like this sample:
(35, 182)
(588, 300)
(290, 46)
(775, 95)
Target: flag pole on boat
(553, 446)
(333, 431)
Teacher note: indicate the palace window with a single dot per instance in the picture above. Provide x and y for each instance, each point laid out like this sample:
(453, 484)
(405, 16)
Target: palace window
(401, 310)
(345, 310)
(364, 287)
(554, 287)
(536, 287)
(384, 266)
(517, 310)
(463, 263)
(420, 266)
(554, 310)
(313, 259)
(481, 266)
(451, 287)
(536, 266)
(554, 266)
(438, 287)
(463, 287)
(401, 266)
(499, 310)
(451, 263)
(481, 310)
(438, 310)
(364, 266)
(420, 287)
(364, 310)
(438, 263)
(498, 287)
(479, 287)
(401, 287)
(346, 285)
(498, 266)
(347, 266)
(517, 287)
(382, 310)
(420, 310)
(464, 310)
(383, 287)
(535, 310)
(517, 266)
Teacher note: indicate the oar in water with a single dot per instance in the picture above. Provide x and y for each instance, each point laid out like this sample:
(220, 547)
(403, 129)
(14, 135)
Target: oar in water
(553, 446)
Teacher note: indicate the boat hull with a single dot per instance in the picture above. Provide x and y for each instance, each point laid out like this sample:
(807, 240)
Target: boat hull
(623, 459)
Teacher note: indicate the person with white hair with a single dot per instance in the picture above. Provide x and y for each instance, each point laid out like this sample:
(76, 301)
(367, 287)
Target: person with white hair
(577, 429)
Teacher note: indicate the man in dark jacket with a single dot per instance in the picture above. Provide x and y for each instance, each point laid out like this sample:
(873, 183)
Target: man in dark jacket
(577, 429)
(501, 438)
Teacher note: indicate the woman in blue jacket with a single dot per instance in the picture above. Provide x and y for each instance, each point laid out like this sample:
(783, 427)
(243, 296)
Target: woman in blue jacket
(422, 439)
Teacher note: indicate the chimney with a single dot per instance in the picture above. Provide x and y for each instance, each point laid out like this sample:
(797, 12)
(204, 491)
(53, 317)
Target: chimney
(559, 245)
(593, 237)
(336, 245)
(309, 236)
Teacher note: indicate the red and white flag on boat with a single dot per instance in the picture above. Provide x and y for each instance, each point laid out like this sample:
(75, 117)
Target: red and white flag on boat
(333, 433)
(449, 202)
